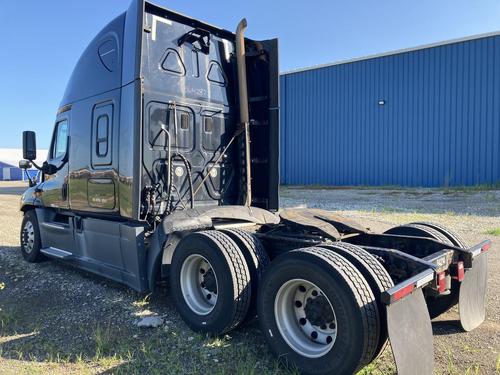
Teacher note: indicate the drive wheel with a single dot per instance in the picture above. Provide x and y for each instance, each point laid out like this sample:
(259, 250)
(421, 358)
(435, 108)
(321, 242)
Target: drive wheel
(210, 282)
(377, 277)
(30, 238)
(454, 238)
(318, 312)
(436, 305)
(256, 258)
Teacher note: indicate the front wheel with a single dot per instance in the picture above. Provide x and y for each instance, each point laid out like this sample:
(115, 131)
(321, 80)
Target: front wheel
(30, 238)
(318, 312)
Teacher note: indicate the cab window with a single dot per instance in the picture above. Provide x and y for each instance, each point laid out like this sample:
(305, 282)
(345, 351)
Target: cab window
(60, 142)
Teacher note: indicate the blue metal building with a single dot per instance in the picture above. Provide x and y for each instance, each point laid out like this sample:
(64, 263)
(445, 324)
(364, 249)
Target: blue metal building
(428, 116)
(10, 173)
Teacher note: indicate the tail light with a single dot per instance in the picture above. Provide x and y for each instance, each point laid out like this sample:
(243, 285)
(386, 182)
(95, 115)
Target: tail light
(486, 247)
(405, 288)
(441, 282)
(403, 292)
(457, 271)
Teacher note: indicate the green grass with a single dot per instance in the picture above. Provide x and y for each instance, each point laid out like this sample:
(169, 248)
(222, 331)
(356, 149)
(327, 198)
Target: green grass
(493, 232)
(103, 341)
(7, 321)
(473, 188)
(445, 189)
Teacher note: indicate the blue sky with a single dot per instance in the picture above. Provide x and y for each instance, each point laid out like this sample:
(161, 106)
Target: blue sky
(41, 41)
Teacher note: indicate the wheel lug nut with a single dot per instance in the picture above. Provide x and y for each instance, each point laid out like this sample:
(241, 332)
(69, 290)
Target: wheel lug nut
(298, 304)
(303, 321)
(314, 335)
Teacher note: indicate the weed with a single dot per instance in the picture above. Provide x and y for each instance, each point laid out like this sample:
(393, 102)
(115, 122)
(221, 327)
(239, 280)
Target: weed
(143, 301)
(7, 320)
(493, 232)
(450, 365)
(103, 341)
(472, 370)
(390, 210)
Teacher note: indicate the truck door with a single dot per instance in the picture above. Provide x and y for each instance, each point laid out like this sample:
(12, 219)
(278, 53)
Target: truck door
(56, 228)
(55, 187)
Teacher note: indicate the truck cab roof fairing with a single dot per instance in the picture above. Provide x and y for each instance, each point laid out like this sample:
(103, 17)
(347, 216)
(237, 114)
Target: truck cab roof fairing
(112, 58)
(99, 68)
(119, 44)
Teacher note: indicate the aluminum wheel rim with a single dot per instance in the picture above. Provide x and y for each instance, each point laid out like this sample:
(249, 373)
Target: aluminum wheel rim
(299, 327)
(28, 237)
(200, 297)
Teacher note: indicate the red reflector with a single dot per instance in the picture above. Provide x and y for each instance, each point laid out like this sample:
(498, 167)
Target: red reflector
(441, 278)
(403, 292)
(460, 271)
(457, 271)
(486, 247)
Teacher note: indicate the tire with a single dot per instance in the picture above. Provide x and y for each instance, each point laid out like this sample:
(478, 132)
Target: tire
(439, 305)
(436, 305)
(419, 230)
(455, 238)
(256, 258)
(30, 238)
(354, 307)
(223, 301)
(377, 277)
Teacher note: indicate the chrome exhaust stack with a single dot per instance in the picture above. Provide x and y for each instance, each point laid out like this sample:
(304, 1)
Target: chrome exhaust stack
(243, 95)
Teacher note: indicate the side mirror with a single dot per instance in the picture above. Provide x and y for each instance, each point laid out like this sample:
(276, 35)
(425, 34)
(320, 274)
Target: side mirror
(29, 145)
(25, 164)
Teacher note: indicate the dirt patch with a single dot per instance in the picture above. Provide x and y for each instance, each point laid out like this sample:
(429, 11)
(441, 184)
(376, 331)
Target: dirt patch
(56, 319)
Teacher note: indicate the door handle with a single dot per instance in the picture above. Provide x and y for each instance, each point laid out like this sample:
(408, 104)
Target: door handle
(64, 191)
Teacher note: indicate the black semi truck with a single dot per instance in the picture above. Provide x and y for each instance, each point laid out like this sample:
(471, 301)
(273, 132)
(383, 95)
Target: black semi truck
(163, 165)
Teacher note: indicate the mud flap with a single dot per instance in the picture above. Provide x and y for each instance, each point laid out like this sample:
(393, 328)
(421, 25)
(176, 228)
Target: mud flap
(410, 333)
(472, 299)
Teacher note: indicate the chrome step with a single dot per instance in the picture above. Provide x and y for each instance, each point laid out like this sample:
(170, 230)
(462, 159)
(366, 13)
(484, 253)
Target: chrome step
(54, 226)
(56, 253)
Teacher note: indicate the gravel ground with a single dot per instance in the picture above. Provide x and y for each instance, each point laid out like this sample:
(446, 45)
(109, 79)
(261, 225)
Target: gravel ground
(55, 319)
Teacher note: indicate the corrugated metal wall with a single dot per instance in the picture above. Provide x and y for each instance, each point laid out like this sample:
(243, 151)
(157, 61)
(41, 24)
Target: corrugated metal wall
(11, 174)
(440, 125)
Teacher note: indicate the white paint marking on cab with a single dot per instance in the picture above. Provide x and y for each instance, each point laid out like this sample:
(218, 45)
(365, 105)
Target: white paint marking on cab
(157, 19)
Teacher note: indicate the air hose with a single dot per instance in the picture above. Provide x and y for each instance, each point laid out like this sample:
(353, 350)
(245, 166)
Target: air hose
(171, 179)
